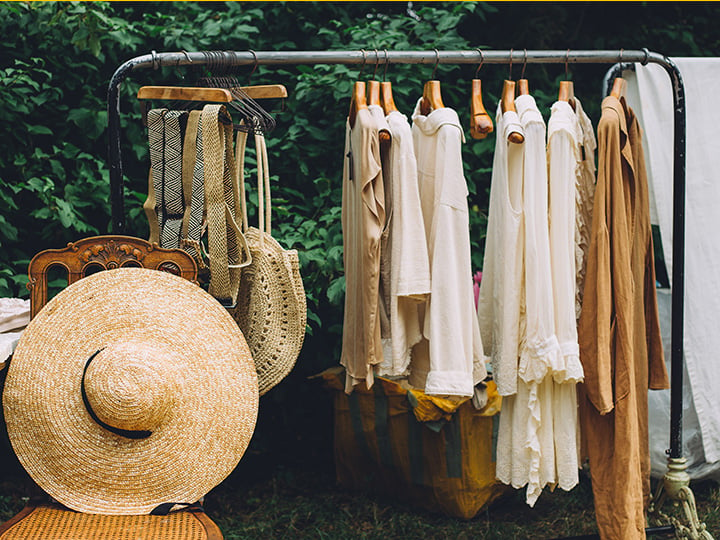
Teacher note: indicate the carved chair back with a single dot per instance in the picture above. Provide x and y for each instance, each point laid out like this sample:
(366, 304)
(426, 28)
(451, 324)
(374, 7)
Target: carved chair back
(96, 253)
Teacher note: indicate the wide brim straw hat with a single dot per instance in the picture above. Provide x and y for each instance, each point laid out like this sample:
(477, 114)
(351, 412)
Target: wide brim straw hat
(131, 388)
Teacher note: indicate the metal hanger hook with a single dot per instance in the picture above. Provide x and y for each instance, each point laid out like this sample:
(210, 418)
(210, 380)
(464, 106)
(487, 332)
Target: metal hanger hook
(621, 54)
(522, 73)
(567, 59)
(155, 60)
(377, 63)
(254, 66)
(482, 60)
(437, 61)
(387, 61)
(362, 66)
(510, 68)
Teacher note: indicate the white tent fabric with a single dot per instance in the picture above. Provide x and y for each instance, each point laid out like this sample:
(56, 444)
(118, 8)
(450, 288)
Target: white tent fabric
(650, 95)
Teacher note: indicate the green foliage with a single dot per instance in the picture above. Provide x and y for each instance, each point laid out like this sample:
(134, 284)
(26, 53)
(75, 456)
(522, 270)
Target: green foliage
(56, 60)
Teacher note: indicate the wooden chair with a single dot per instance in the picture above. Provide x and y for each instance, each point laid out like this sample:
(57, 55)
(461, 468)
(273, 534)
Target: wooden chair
(50, 521)
(43, 519)
(96, 253)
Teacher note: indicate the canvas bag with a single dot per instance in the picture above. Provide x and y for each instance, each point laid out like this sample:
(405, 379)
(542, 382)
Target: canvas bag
(271, 307)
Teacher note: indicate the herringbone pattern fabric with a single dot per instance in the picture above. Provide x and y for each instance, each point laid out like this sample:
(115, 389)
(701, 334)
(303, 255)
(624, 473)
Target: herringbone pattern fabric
(165, 140)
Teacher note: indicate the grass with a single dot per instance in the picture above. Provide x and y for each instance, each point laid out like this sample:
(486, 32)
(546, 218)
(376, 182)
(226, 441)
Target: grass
(284, 493)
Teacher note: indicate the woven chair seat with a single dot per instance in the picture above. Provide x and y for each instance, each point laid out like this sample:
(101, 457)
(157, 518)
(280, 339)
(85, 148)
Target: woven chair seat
(49, 521)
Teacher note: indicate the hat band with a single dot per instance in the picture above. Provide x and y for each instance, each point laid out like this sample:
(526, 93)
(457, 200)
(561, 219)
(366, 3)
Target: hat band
(129, 434)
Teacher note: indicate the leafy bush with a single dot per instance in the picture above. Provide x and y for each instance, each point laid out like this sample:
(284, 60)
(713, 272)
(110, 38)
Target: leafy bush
(56, 61)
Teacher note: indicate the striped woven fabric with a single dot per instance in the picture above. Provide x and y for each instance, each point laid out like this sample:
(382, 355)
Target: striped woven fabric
(193, 188)
(165, 140)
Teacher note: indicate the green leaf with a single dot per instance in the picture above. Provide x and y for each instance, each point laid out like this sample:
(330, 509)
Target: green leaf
(39, 130)
(336, 291)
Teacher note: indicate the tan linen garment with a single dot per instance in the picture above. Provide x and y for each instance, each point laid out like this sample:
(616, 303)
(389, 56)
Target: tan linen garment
(363, 220)
(619, 330)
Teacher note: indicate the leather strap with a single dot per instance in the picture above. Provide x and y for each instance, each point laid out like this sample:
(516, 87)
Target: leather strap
(149, 207)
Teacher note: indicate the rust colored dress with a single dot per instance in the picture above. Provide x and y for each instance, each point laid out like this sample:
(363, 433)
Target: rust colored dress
(619, 331)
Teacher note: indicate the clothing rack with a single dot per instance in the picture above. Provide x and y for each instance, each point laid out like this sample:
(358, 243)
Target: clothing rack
(676, 480)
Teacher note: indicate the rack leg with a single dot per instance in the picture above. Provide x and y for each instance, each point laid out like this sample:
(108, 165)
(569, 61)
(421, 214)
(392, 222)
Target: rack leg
(676, 487)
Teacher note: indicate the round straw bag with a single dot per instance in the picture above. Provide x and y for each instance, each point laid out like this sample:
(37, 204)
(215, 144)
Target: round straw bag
(271, 308)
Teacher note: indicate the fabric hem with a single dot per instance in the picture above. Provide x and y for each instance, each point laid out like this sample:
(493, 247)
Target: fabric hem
(449, 383)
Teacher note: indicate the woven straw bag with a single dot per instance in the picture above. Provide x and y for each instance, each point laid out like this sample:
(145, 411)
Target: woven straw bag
(271, 307)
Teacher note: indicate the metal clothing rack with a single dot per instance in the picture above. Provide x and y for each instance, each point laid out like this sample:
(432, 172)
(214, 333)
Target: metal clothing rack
(676, 481)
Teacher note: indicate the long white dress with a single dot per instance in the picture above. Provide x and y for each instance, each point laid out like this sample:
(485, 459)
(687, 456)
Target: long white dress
(518, 259)
(455, 361)
(500, 289)
(565, 158)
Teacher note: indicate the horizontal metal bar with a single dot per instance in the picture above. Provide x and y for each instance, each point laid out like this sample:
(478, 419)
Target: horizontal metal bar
(384, 56)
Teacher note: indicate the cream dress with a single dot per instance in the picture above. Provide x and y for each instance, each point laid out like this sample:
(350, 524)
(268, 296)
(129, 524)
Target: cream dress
(450, 359)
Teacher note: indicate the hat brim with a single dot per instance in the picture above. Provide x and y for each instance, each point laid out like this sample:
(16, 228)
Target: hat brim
(204, 435)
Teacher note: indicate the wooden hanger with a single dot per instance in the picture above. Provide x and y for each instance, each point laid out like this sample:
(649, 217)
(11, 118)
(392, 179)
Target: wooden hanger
(523, 88)
(432, 98)
(373, 92)
(357, 101)
(618, 89)
(567, 93)
(178, 93)
(507, 100)
(218, 95)
(480, 121)
(507, 103)
(373, 98)
(386, 97)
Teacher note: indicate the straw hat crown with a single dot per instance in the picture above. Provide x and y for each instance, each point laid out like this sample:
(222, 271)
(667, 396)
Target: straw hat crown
(131, 388)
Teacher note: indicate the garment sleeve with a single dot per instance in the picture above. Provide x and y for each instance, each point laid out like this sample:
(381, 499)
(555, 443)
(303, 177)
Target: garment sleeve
(562, 165)
(596, 316)
(657, 372)
(540, 349)
(451, 307)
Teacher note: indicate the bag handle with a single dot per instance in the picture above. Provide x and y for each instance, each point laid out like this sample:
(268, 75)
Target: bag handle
(225, 239)
(263, 181)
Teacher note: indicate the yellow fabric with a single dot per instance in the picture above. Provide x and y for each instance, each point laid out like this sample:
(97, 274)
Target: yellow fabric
(432, 452)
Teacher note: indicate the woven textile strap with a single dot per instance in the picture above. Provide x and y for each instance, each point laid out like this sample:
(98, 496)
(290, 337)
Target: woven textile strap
(165, 140)
(263, 181)
(227, 246)
(193, 189)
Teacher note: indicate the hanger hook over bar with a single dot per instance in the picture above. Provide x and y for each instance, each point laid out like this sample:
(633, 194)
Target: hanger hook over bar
(362, 66)
(567, 59)
(482, 60)
(510, 64)
(437, 61)
(377, 62)
(522, 73)
(647, 56)
(387, 61)
(155, 60)
(254, 65)
(621, 54)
